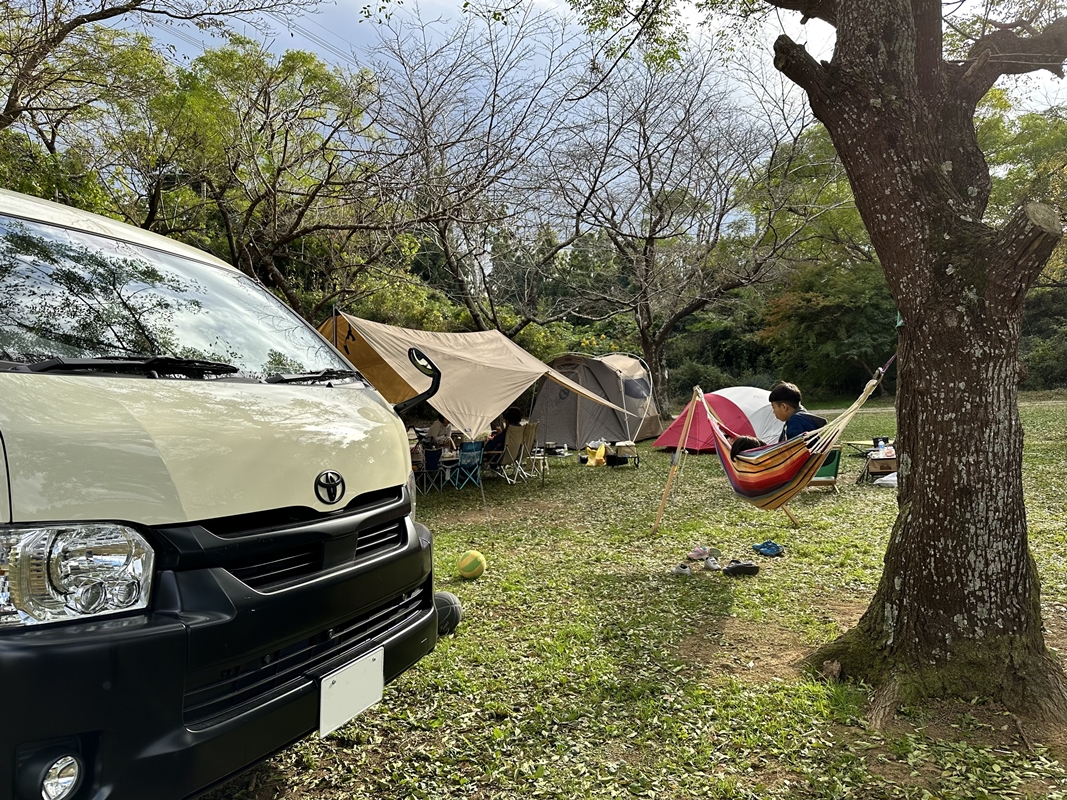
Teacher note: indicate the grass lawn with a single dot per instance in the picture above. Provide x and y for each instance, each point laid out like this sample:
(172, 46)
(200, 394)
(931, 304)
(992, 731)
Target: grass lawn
(583, 669)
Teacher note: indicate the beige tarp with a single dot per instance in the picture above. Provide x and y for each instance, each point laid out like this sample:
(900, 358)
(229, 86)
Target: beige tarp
(481, 373)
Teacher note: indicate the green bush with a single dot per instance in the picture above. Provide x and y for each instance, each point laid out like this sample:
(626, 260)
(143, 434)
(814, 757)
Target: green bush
(1044, 344)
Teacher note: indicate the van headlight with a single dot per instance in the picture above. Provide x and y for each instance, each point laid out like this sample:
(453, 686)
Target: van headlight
(64, 572)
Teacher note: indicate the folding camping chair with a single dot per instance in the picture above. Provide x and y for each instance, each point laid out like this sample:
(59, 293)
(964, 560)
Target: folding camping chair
(469, 468)
(827, 474)
(431, 476)
(529, 464)
(506, 462)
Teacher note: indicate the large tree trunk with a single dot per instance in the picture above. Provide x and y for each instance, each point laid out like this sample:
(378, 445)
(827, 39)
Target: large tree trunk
(655, 357)
(656, 360)
(957, 612)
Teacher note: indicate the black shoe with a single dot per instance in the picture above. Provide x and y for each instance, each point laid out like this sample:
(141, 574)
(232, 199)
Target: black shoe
(737, 568)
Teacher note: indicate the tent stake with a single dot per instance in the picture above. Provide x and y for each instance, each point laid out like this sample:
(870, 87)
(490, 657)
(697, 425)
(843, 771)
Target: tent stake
(677, 460)
(789, 514)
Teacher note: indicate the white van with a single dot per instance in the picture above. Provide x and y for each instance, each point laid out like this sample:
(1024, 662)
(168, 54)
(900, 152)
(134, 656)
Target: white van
(207, 543)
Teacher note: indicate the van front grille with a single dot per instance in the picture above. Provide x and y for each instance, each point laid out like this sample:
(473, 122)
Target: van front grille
(252, 683)
(242, 525)
(288, 549)
(279, 568)
(384, 537)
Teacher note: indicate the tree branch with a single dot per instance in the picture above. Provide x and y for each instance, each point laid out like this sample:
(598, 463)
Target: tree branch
(1004, 52)
(928, 45)
(793, 61)
(1023, 247)
(826, 10)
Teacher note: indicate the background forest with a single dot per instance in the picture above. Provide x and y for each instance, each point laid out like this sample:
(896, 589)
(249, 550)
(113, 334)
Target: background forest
(473, 175)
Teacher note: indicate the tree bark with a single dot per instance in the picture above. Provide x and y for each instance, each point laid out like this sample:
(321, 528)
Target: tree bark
(656, 360)
(957, 611)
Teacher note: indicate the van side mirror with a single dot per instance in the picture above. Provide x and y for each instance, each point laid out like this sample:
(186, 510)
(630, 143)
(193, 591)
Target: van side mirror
(423, 364)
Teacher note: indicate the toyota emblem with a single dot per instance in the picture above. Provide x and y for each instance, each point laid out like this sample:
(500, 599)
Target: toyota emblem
(329, 486)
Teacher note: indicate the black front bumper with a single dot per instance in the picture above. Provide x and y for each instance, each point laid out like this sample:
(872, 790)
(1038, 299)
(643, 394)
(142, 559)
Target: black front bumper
(217, 677)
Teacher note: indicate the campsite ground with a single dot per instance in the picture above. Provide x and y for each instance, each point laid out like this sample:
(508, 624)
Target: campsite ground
(583, 669)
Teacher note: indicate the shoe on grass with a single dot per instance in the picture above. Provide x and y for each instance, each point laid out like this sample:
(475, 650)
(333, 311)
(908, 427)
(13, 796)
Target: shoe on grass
(682, 569)
(736, 569)
(769, 549)
(700, 552)
(712, 563)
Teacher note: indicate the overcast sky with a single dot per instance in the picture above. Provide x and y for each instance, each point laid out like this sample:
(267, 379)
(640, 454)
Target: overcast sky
(338, 30)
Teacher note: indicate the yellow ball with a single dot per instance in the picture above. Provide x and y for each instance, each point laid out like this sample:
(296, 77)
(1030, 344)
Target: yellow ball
(470, 565)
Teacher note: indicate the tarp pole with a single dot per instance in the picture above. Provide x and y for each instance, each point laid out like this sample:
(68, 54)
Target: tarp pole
(578, 443)
(677, 460)
(788, 513)
(335, 327)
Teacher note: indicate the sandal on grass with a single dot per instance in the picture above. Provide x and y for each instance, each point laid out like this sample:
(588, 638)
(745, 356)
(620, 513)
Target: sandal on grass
(736, 569)
(769, 548)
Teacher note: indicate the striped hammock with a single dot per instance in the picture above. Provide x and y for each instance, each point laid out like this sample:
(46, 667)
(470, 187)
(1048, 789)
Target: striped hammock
(772, 475)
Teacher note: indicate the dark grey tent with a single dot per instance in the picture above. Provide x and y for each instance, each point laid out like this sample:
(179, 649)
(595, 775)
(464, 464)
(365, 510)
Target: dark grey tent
(620, 379)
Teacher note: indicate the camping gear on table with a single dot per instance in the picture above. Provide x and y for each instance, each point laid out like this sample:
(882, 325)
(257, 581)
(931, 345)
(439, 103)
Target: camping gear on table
(623, 453)
(605, 454)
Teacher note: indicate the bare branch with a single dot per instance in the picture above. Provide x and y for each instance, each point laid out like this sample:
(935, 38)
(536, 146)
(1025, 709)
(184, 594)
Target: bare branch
(826, 10)
(793, 61)
(1005, 52)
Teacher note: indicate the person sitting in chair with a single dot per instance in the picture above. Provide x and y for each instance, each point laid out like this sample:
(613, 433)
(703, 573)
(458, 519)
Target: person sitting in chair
(495, 445)
(440, 433)
(786, 404)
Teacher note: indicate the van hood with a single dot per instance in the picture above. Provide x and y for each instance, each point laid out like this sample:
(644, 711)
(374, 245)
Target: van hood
(87, 447)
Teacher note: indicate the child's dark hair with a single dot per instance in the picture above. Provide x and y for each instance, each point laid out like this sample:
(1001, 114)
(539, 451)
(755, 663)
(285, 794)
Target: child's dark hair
(744, 443)
(786, 393)
(513, 415)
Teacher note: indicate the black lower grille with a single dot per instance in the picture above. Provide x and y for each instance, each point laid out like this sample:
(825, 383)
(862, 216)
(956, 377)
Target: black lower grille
(278, 569)
(252, 683)
(382, 538)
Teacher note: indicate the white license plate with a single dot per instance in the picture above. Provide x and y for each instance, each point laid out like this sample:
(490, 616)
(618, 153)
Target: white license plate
(352, 689)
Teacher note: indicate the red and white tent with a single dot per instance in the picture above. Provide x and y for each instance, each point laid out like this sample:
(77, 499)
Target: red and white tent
(743, 409)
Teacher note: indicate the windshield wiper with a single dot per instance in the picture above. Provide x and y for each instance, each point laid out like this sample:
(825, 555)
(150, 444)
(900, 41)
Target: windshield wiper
(312, 377)
(161, 365)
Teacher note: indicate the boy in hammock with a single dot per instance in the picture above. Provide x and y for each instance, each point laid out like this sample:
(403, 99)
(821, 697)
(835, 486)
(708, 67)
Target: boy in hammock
(785, 402)
(742, 443)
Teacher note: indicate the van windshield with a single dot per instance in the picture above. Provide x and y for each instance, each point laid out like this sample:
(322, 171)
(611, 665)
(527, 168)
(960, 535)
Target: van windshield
(70, 294)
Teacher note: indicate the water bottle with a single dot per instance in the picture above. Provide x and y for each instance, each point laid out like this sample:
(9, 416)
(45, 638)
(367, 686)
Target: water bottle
(881, 448)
